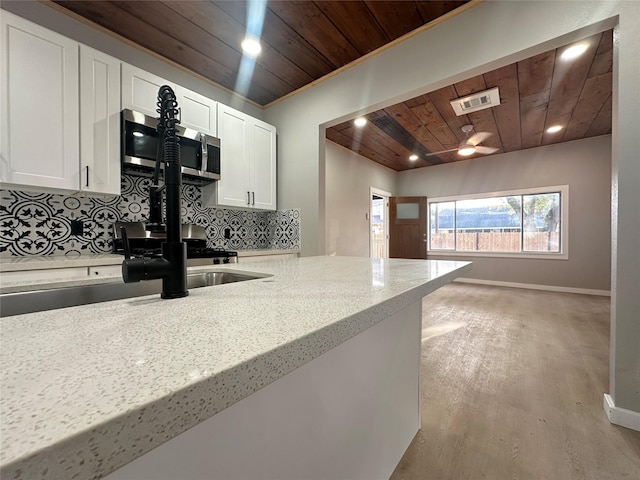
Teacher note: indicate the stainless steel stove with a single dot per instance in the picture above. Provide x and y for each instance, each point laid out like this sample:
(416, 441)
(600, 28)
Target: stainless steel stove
(143, 243)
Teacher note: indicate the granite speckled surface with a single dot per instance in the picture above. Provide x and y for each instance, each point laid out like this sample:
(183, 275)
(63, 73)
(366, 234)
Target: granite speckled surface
(87, 389)
(16, 264)
(255, 253)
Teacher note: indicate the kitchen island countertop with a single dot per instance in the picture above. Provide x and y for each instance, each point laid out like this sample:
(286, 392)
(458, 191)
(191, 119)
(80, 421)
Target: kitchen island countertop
(87, 389)
(33, 262)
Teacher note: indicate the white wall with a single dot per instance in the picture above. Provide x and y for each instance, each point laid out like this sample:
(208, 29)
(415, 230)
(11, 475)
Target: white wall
(487, 36)
(52, 19)
(348, 180)
(584, 165)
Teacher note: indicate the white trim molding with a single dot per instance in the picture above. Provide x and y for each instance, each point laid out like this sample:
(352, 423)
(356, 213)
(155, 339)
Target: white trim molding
(531, 286)
(621, 416)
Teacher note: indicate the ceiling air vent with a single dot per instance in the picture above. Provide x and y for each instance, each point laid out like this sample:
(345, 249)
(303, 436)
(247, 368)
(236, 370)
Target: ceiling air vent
(477, 101)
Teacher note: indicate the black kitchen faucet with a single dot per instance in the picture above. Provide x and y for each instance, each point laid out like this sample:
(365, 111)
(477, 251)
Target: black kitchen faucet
(172, 266)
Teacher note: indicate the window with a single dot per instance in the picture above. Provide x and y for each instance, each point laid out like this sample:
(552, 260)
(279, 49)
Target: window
(524, 223)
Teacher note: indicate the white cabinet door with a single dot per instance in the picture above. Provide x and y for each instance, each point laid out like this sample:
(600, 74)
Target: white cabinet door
(140, 93)
(197, 111)
(233, 188)
(99, 122)
(263, 165)
(140, 90)
(247, 163)
(39, 107)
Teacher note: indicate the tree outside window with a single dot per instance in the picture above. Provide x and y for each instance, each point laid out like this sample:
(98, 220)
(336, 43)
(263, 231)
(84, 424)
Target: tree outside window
(513, 223)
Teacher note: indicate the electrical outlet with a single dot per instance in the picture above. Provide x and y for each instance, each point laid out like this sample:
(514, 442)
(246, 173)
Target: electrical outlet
(77, 228)
(227, 233)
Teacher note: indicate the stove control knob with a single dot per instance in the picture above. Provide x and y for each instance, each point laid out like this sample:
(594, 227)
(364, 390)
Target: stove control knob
(216, 261)
(226, 260)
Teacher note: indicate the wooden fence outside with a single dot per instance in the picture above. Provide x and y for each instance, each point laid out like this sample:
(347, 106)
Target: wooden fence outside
(496, 241)
(377, 245)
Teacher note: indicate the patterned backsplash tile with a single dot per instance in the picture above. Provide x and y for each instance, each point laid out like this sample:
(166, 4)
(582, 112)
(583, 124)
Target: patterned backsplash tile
(51, 224)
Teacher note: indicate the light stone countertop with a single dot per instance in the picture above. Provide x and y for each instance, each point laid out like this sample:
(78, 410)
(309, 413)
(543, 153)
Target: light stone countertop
(85, 390)
(17, 264)
(255, 253)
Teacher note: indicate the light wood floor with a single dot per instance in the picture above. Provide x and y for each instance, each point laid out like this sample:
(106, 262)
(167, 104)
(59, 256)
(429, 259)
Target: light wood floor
(512, 387)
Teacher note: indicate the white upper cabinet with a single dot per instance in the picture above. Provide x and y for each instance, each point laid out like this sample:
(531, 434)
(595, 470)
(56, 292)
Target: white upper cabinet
(232, 188)
(60, 123)
(197, 111)
(39, 119)
(263, 172)
(247, 163)
(140, 90)
(140, 93)
(99, 122)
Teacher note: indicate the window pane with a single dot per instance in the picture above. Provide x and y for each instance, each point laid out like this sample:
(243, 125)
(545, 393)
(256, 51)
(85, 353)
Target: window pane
(541, 216)
(442, 236)
(489, 224)
(408, 211)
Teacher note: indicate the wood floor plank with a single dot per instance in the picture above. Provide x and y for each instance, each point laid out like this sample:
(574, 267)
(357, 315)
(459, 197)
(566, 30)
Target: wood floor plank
(512, 385)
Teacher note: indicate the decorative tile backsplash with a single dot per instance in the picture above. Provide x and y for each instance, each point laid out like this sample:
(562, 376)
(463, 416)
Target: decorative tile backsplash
(51, 224)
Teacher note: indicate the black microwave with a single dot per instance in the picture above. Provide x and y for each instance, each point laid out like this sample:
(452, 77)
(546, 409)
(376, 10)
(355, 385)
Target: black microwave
(199, 153)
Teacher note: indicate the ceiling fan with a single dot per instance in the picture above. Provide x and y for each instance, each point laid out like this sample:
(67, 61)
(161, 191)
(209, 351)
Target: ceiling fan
(471, 144)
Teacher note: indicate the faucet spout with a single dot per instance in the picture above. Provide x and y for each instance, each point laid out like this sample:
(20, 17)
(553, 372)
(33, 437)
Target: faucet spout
(172, 267)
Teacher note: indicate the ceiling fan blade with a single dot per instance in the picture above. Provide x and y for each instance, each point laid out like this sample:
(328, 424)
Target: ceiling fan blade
(486, 150)
(441, 151)
(479, 137)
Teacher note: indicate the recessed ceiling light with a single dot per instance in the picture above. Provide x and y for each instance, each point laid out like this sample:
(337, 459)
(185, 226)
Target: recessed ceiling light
(413, 157)
(360, 122)
(251, 46)
(554, 129)
(138, 134)
(574, 51)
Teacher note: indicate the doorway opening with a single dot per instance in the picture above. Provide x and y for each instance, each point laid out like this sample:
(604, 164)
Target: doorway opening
(379, 224)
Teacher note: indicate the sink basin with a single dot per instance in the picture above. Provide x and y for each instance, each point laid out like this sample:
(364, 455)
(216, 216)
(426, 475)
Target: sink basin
(208, 279)
(51, 299)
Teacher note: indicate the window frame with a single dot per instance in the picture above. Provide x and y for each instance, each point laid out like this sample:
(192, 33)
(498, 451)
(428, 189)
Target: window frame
(563, 190)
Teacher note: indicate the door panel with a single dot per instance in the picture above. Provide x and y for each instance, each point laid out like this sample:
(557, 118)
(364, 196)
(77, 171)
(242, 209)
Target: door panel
(408, 227)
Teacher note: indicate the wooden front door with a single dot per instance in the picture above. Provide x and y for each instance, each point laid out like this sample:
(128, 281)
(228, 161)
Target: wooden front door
(408, 227)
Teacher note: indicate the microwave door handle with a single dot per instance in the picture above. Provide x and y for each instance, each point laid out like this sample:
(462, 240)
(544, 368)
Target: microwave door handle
(205, 154)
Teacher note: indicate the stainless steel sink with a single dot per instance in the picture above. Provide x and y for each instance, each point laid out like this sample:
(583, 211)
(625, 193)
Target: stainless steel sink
(51, 299)
(208, 279)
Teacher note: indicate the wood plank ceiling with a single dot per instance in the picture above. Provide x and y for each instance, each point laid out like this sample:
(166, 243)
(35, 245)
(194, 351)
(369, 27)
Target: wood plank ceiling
(535, 94)
(303, 41)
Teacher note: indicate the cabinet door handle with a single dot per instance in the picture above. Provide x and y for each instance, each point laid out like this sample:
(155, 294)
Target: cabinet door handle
(248, 198)
(253, 198)
(87, 182)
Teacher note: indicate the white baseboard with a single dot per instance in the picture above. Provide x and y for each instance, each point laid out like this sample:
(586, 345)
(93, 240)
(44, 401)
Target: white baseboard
(621, 416)
(531, 286)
